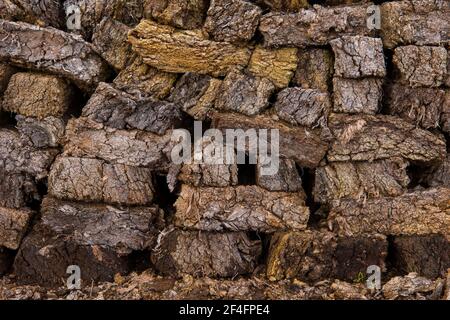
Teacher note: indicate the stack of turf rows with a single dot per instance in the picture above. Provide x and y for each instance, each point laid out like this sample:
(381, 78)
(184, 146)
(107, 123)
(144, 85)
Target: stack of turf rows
(88, 116)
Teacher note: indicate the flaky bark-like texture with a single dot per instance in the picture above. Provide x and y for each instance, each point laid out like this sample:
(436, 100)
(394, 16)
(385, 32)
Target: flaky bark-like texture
(420, 22)
(232, 20)
(173, 50)
(367, 137)
(196, 94)
(426, 255)
(94, 180)
(39, 12)
(16, 189)
(304, 107)
(185, 14)
(411, 286)
(97, 238)
(421, 106)
(316, 26)
(87, 138)
(360, 180)
(52, 51)
(445, 115)
(314, 255)
(277, 65)
(421, 66)
(45, 95)
(110, 41)
(45, 133)
(139, 78)
(92, 12)
(286, 179)
(120, 110)
(285, 5)
(244, 93)
(315, 69)
(358, 57)
(241, 208)
(419, 212)
(6, 72)
(439, 176)
(205, 253)
(209, 175)
(13, 225)
(204, 175)
(19, 156)
(357, 95)
(447, 81)
(300, 144)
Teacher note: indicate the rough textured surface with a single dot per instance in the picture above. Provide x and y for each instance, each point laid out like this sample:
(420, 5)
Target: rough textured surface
(303, 107)
(358, 57)
(150, 286)
(411, 286)
(209, 174)
(286, 179)
(6, 71)
(421, 66)
(45, 96)
(92, 12)
(185, 14)
(19, 156)
(110, 41)
(139, 78)
(357, 95)
(300, 144)
(39, 12)
(16, 189)
(314, 255)
(315, 69)
(419, 212)
(367, 137)
(445, 116)
(173, 50)
(52, 51)
(439, 176)
(241, 208)
(205, 254)
(94, 180)
(419, 22)
(361, 163)
(316, 26)
(232, 20)
(421, 106)
(13, 225)
(285, 5)
(426, 255)
(277, 65)
(45, 133)
(87, 138)
(360, 180)
(120, 110)
(244, 93)
(97, 238)
(196, 94)
(447, 81)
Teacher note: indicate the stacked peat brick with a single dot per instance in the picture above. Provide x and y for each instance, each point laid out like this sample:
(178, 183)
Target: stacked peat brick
(363, 117)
